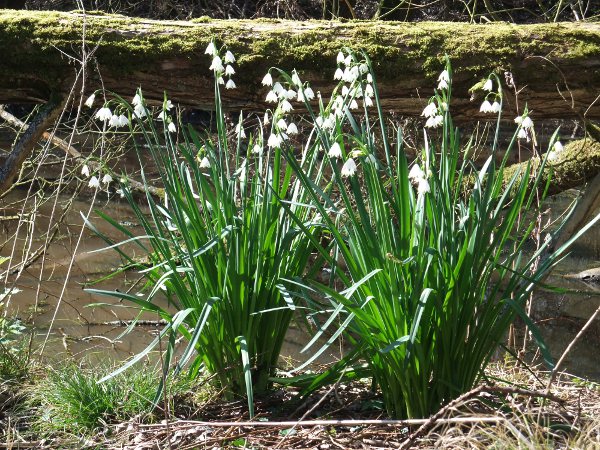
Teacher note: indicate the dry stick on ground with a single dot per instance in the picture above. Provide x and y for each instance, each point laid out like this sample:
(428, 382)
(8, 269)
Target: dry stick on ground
(70, 150)
(570, 346)
(437, 417)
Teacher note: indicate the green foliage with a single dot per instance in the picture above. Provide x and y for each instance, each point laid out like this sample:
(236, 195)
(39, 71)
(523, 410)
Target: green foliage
(71, 400)
(434, 277)
(14, 356)
(220, 244)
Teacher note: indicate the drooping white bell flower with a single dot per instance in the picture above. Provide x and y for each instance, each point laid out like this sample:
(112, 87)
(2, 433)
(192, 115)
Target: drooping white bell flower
(229, 58)
(104, 114)
(90, 100)
(292, 128)
(267, 80)
(85, 170)
(430, 110)
(230, 84)
(488, 85)
(349, 168)
(205, 163)
(171, 127)
(107, 179)
(335, 151)
(94, 182)
(210, 49)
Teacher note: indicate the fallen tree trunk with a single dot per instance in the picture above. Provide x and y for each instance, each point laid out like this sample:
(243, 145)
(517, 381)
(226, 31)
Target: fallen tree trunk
(558, 63)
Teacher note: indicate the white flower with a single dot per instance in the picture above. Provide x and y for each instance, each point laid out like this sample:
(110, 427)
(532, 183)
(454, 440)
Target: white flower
(229, 70)
(558, 147)
(272, 97)
(522, 134)
(90, 100)
(107, 179)
(205, 163)
(172, 128)
(363, 68)
(488, 85)
(351, 75)
(340, 58)
(443, 84)
(292, 128)
(430, 110)
(319, 121)
(369, 78)
(114, 121)
(121, 193)
(257, 149)
(210, 49)
(123, 121)
(486, 107)
(552, 155)
(300, 97)
(239, 130)
(349, 168)
(85, 170)
(278, 88)
(267, 80)
(296, 79)
(274, 140)
(309, 93)
(282, 124)
(339, 74)
(229, 58)
(336, 151)
(220, 80)
(527, 122)
(444, 76)
(345, 90)
(354, 104)
(368, 101)
(423, 186)
(94, 182)
(139, 111)
(518, 120)
(496, 107)
(163, 115)
(290, 94)
(137, 100)
(266, 119)
(416, 173)
(329, 123)
(348, 60)
(369, 90)
(230, 84)
(434, 122)
(286, 106)
(217, 64)
(168, 105)
(104, 114)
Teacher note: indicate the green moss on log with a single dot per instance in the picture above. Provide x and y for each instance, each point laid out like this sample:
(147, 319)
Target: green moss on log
(574, 166)
(130, 45)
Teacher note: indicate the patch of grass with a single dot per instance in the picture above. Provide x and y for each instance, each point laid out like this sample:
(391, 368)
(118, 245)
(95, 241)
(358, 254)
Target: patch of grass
(70, 400)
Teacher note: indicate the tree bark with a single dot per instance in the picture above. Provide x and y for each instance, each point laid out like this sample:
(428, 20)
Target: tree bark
(556, 64)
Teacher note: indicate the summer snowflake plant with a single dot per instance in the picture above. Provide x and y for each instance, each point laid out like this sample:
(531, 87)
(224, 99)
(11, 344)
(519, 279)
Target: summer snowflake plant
(221, 242)
(248, 221)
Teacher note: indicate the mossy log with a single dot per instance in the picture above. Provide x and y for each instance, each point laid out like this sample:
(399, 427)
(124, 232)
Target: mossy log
(557, 65)
(576, 165)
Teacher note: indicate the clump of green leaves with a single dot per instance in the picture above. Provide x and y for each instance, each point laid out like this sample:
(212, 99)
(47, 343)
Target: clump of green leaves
(72, 401)
(220, 242)
(435, 260)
